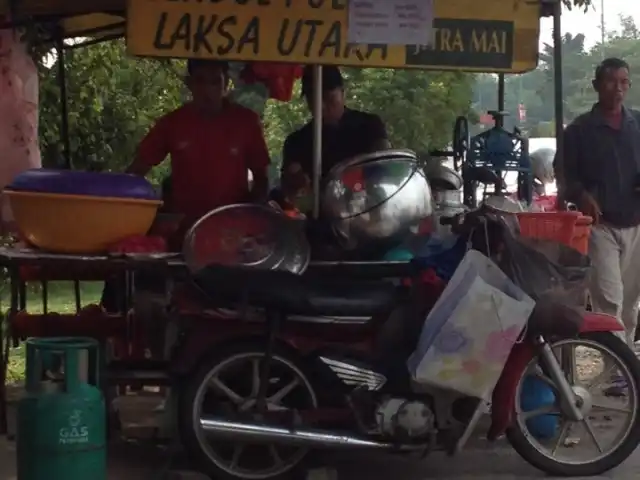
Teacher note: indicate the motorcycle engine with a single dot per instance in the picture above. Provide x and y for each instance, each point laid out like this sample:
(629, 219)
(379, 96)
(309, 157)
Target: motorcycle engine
(398, 417)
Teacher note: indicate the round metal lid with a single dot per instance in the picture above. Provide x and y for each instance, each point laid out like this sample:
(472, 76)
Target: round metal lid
(244, 235)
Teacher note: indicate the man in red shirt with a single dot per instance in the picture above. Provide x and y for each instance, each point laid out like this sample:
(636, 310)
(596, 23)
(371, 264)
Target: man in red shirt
(213, 144)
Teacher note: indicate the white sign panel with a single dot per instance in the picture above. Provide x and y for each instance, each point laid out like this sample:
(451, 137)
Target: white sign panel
(392, 22)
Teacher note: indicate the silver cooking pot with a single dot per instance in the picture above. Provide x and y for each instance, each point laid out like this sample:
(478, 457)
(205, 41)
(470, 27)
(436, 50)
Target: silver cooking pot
(375, 198)
(442, 177)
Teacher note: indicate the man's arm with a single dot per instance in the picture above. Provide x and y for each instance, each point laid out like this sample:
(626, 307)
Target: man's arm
(293, 174)
(378, 132)
(153, 149)
(258, 160)
(567, 167)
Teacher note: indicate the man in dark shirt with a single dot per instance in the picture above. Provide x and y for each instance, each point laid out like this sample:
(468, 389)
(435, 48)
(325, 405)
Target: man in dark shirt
(345, 133)
(600, 172)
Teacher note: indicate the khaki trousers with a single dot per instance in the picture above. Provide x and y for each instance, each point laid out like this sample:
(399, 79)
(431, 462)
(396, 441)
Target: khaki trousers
(615, 280)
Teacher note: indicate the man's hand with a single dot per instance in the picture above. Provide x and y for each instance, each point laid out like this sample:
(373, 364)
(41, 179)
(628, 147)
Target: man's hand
(294, 180)
(588, 206)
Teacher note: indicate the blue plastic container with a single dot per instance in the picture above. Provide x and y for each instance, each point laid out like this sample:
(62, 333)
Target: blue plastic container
(537, 394)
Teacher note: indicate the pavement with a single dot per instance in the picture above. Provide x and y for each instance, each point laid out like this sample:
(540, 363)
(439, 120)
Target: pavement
(131, 461)
(143, 459)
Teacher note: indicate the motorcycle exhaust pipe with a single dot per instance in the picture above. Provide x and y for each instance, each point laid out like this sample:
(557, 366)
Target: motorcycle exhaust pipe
(317, 439)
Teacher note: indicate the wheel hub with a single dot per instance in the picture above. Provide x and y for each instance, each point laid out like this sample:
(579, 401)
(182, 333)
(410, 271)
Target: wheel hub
(584, 399)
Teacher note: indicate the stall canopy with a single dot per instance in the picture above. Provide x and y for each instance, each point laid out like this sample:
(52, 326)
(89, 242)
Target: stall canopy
(472, 35)
(77, 18)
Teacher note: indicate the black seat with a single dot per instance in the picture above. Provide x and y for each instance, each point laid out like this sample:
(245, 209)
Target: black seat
(295, 294)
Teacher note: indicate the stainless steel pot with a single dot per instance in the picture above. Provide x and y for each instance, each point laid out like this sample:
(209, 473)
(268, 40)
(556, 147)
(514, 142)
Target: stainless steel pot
(442, 177)
(376, 197)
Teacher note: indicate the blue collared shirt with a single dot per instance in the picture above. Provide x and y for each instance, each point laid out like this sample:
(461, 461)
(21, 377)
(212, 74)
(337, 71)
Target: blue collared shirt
(605, 162)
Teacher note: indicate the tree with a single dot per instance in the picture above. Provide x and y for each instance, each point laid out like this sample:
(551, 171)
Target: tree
(419, 108)
(112, 101)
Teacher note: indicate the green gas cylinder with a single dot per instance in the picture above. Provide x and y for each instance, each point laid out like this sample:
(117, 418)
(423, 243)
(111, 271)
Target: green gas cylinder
(61, 426)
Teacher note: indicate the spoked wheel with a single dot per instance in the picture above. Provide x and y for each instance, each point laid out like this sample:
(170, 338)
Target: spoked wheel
(227, 386)
(604, 375)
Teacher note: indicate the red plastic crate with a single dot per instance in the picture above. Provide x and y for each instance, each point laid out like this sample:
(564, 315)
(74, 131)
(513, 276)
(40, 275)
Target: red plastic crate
(569, 228)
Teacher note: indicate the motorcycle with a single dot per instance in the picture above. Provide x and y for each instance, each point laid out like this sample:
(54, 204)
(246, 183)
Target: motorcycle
(297, 363)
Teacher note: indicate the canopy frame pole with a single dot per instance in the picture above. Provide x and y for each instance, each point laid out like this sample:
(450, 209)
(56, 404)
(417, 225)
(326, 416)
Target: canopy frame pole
(64, 106)
(317, 138)
(501, 100)
(557, 77)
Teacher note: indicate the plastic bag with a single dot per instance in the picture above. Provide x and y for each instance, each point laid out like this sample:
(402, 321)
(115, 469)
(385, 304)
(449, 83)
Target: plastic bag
(457, 352)
(546, 269)
(554, 275)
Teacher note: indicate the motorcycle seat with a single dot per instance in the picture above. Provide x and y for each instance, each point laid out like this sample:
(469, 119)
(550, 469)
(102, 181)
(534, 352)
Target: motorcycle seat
(294, 294)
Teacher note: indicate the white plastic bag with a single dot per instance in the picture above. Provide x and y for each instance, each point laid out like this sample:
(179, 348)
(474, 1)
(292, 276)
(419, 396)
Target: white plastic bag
(468, 335)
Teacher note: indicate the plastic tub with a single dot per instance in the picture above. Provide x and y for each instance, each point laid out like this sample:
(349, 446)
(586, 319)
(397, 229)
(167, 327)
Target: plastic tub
(78, 224)
(71, 182)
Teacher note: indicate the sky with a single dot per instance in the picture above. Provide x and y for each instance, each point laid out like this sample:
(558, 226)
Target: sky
(576, 21)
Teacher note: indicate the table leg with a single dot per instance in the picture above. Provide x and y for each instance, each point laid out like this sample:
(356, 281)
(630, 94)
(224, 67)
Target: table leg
(4, 361)
(5, 339)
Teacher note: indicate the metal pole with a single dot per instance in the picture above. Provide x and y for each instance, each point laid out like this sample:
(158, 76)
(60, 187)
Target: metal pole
(602, 26)
(317, 138)
(64, 108)
(557, 74)
(501, 99)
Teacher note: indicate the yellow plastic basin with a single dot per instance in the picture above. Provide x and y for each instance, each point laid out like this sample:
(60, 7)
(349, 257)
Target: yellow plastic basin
(79, 223)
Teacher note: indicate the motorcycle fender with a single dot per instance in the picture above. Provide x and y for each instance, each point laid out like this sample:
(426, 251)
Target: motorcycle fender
(503, 399)
(600, 322)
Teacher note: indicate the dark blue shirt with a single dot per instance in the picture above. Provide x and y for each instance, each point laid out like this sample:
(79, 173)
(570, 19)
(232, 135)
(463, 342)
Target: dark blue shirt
(605, 162)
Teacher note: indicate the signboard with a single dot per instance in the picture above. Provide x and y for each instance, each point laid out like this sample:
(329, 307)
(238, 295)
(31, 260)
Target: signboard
(475, 35)
(403, 22)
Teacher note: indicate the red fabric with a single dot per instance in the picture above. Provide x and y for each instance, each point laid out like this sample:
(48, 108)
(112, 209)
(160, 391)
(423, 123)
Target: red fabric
(209, 156)
(503, 400)
(279, 78)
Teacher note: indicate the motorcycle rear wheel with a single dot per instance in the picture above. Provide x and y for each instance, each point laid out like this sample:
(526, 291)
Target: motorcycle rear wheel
(209, 455)
(526, 445)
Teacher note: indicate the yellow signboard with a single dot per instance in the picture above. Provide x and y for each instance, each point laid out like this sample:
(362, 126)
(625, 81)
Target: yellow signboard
(476, 35)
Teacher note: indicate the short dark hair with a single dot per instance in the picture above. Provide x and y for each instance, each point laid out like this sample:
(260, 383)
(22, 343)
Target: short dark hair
(195, 63)
(331, 79)
(609, 64)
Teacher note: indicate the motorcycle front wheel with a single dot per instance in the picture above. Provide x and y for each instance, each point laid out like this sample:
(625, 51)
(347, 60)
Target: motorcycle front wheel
(226, 385)
(547, 439)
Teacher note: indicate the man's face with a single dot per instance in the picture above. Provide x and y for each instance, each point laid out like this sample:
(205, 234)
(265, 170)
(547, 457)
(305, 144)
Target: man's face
(208, 85)
(613, 86)
(332, 105)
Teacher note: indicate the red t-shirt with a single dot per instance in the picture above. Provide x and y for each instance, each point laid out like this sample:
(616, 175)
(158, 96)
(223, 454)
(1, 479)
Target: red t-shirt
(210, 157)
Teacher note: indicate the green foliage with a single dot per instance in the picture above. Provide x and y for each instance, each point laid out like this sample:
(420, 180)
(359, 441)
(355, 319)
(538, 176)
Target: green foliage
(535, 90)
(113, 100)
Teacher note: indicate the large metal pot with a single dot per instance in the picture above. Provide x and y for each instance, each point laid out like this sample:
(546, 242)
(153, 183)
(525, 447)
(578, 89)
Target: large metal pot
(442, 177)
(376, 198)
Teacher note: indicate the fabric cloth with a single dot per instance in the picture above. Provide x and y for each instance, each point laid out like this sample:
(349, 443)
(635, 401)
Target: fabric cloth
(615, 278)
(18, 112)
(210, 157)
(279, 78)
(355, 134)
